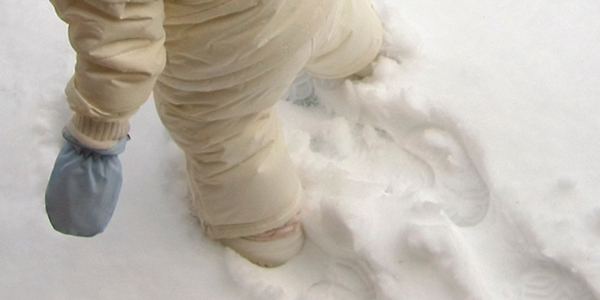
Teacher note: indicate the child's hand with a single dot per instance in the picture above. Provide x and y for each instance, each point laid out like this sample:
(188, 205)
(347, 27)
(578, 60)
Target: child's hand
(84, 187)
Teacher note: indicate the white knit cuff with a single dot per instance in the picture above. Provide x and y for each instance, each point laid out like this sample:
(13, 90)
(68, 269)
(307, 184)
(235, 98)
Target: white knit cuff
(96, 133)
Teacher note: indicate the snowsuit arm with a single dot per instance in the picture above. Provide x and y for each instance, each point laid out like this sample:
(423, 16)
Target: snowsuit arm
(120, 53)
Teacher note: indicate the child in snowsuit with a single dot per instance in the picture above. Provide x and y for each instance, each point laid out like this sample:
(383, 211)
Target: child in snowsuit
(217, 68)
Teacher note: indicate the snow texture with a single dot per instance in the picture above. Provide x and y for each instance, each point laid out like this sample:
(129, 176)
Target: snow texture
(465, 167)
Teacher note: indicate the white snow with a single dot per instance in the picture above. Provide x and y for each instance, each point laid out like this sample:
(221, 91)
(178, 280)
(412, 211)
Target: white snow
(503, 94)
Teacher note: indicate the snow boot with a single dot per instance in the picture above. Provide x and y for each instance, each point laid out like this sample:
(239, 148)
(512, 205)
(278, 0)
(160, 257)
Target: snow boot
(272, 248)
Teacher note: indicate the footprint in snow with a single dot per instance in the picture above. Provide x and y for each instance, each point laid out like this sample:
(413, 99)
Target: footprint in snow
(553, 282)
(346, 279)
(348, 276)
(463, 194)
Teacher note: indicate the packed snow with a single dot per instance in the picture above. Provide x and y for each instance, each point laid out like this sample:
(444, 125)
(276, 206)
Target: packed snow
(466, 167)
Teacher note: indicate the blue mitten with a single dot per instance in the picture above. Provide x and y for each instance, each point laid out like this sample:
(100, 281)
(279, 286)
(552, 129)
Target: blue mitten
(84, 187)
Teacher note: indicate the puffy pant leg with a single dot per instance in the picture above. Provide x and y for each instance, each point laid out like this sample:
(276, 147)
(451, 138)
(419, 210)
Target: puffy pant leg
(218, 107)
(348, 42)
(242, 179)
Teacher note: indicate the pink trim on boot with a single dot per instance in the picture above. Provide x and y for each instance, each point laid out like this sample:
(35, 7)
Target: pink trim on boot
(287, 229)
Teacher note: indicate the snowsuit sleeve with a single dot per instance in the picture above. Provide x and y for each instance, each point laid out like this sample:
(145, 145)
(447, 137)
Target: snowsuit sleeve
(120, 53)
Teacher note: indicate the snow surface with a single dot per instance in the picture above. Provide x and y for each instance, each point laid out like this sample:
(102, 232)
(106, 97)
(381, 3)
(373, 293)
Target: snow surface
(513, 84)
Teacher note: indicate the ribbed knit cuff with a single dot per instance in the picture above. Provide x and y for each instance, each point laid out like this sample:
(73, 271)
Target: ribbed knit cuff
(96, 133)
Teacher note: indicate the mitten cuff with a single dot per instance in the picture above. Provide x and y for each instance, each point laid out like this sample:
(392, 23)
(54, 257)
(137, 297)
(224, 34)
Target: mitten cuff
(95, 133)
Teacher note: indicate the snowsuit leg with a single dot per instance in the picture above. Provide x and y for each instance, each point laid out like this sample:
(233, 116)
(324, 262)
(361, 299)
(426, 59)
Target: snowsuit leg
(348, 42)
(227, 66)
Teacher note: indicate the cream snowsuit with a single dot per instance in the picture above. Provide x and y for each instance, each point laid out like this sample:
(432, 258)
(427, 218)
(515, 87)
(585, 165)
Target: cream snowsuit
(217, 68)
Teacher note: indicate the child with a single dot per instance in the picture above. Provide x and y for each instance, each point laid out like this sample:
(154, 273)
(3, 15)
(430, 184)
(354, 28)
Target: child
(217, 68)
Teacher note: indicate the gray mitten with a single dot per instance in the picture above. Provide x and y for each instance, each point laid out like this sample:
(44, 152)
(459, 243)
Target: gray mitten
(84, 187)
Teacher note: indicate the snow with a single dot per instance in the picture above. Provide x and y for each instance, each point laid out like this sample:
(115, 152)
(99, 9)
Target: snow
(502, 94)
